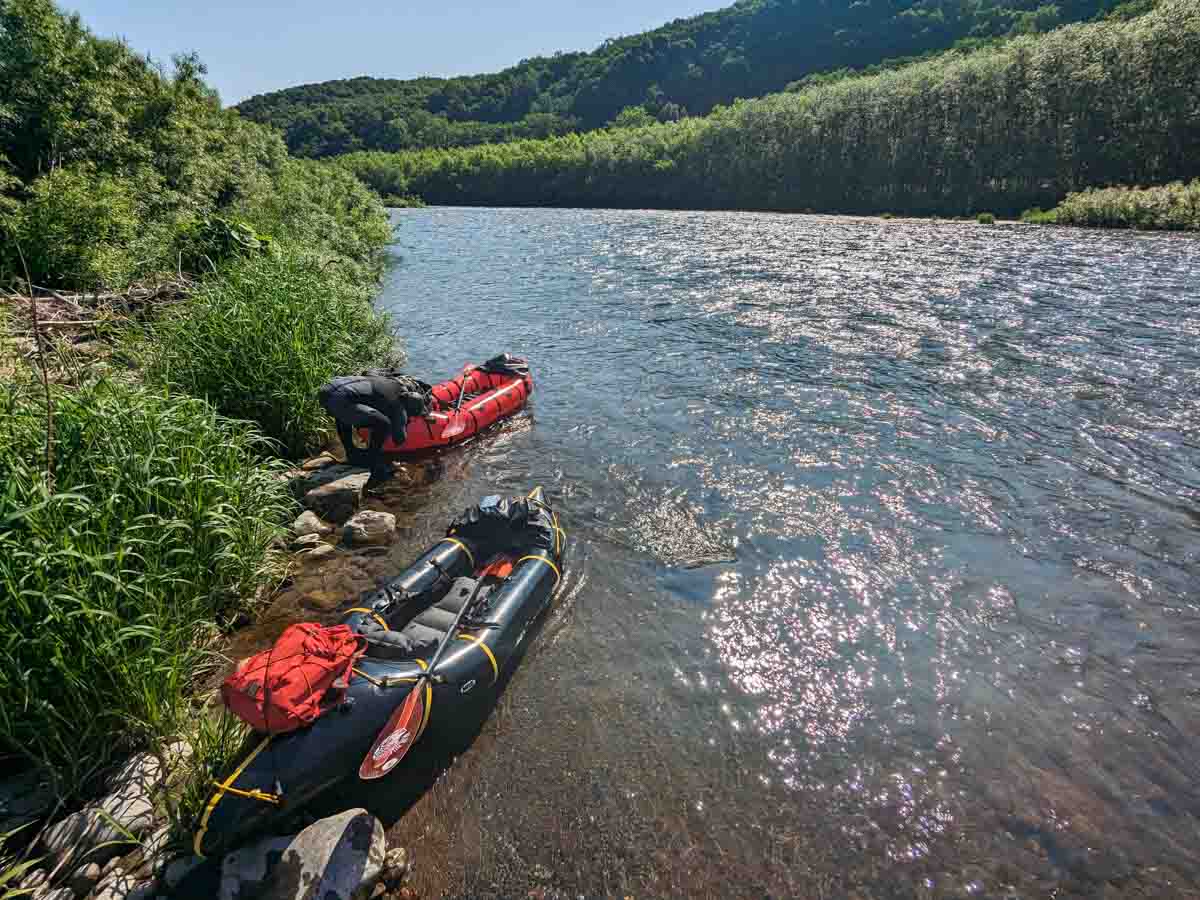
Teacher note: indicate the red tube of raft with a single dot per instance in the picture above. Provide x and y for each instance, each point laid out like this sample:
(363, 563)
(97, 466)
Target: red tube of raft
(490, 398)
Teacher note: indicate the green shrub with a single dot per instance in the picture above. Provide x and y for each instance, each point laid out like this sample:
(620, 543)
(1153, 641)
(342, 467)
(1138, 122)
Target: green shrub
(887, 215)
(985, 218)
(213, 240)
(81, 228)
(161, 521)
(324, 206)
(1037, 216)
(259, 340)
(1168, 207)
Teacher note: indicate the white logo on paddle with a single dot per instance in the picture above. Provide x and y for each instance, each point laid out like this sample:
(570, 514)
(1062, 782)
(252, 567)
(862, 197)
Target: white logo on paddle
(391, 744)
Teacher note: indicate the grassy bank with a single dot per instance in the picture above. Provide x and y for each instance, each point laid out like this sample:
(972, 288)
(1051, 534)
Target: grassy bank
(148, 527)
(1002, 129)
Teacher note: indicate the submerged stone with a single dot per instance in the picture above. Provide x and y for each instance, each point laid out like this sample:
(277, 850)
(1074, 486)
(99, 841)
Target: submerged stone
(370, 528)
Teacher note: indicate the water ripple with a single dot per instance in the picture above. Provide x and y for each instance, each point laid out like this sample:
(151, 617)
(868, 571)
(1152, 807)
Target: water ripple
(891, 537)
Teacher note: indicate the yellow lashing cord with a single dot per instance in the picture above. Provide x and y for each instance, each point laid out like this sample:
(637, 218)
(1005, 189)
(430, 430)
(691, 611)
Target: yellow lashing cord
(466, 549)
(557, 574)
(226, 787)
(478, 642)
(370, 612)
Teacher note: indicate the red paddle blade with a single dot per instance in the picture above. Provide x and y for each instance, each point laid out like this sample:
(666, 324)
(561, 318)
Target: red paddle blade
(456, 427)
(396, 737)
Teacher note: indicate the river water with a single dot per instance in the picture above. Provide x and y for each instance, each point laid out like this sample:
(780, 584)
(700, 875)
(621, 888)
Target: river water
(883, 569)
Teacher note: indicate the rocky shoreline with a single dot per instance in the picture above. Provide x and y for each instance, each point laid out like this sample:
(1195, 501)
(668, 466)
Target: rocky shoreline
(121, 846)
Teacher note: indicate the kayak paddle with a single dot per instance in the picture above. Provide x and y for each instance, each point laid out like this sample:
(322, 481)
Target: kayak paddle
(407, 723)
(457, 426)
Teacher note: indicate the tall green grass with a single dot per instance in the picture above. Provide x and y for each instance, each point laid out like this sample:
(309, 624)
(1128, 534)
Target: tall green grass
(160, 525)
(1168, 207)
(260, 340)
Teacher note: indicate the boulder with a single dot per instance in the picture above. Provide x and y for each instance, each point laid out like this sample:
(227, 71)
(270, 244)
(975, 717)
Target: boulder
(245, 871)
(340, 857)
(84, 879)
(23, 798)
(127, 810)
(337, 499)
(369, 528)
(308, 522)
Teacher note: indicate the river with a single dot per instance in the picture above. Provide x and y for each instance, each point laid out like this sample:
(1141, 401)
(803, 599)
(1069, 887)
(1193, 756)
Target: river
(882, 578)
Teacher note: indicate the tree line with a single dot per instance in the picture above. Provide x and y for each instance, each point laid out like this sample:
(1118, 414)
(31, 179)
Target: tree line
(687, 67)
(1003, 129)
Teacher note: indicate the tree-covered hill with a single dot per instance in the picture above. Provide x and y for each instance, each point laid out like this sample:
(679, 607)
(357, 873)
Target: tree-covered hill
(684, 68)
(1004, 129)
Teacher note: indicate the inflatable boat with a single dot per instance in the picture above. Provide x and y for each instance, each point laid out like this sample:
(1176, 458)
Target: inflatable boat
(438, 637)
(479, 397)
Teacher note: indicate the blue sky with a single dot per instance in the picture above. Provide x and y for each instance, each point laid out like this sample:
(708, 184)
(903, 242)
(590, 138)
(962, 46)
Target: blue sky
(262, 46)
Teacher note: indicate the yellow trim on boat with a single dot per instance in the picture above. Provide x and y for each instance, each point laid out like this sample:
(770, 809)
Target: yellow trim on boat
(370, 612)
(466, 549)
(428, 707)
(222, 789)
(478, 641)
(557, 573)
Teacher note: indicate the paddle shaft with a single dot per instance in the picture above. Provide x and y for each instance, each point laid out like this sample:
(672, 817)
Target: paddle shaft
(462, 389)
(437, 655)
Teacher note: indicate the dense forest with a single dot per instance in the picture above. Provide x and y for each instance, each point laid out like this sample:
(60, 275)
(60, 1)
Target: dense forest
(1001, 129)
(687, 67)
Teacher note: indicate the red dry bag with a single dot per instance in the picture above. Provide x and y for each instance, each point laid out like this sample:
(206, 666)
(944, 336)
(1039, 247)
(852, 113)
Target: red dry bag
(285, 688)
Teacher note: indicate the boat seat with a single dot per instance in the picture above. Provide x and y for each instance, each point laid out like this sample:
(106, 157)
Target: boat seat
(421, 636)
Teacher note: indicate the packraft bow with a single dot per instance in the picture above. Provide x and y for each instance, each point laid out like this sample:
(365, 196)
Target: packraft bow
(503, 558)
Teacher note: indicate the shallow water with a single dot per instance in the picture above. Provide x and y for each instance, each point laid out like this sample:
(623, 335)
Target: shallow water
(882, 580)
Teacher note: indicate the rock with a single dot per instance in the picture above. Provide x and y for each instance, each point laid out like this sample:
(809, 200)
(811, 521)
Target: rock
(127, 810)
(308, 522)
(337, 499)
(318, 462)
(317, 554)
(395, 866)
(154, 847)
(178, 870)
(341, 856)
(110, 866)
(245, 871)
(121, 886)
(307, 542)
(85, 878)
(370, 528)
(62, 893)
(23, 799)
(33, 880)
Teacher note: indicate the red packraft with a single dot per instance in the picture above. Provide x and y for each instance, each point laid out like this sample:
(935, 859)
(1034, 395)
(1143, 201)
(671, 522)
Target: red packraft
(285, 688)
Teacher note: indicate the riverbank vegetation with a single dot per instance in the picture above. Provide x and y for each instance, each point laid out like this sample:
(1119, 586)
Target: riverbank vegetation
(1170, 207)
(687, 67)
(1003, 129)
(200, 283)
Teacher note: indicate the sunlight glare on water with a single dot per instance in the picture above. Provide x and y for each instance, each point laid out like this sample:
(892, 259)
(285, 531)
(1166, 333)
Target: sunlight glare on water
(885, 536)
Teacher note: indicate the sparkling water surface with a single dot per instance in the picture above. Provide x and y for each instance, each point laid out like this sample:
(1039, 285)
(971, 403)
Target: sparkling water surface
(883, 569)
